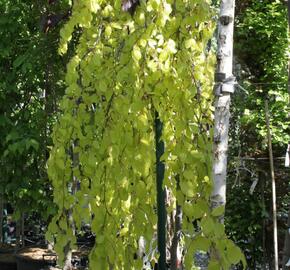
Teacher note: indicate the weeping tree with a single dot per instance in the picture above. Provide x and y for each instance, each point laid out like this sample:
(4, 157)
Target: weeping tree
(140, 83)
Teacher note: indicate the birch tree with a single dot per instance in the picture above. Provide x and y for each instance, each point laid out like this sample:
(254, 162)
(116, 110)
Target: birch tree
(224, 87)
(286, 252)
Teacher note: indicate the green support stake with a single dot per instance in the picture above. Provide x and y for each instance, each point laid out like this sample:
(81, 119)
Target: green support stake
(161, 209)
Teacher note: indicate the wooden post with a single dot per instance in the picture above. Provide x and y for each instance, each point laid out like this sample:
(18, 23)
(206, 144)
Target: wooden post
(273, 185)
(224, 86)
(161, 209)
(261, 180)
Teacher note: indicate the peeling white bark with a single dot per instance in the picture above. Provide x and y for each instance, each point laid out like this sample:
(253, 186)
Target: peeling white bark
(286, 252)
(224, 86)
(274, 205)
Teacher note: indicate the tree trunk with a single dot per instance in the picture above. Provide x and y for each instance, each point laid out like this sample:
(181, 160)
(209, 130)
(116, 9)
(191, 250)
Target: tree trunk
(286, 253)
(74, 189)
(18, 232)
(273, 186)
(22, 236)
(161, 209)
(224, 86)
(288, 7)
(1, 218)
(68, 256)
(175, 260)
(262, 181)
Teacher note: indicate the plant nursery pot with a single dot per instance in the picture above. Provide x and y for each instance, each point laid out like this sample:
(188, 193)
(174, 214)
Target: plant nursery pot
(34, 258)
(7, 261)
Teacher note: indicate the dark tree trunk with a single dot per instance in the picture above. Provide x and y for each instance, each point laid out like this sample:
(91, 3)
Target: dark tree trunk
(161, 209)
(286, 253)
(176, 237)
(1, 217)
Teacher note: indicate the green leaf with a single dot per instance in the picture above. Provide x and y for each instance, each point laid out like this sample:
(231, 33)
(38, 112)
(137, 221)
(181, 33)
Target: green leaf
(32, 143)
(19, 60)
(136, 53)
(218, 211)
(201, 243)
(234, 254)
(207, 225)
(188, 189)
(190, 43)
(213, 265)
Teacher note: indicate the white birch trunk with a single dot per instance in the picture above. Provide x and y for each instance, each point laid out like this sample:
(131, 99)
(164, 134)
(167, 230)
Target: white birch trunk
(275, 230)
(224, 86)
(286, 251)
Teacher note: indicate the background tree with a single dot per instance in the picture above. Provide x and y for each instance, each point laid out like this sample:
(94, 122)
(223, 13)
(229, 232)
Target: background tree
(261, 48)
(31, 83)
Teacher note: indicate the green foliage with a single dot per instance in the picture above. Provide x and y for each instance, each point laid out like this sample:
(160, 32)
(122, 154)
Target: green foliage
(245, 225)
(126, 68)
(261, 48)
(30, 75)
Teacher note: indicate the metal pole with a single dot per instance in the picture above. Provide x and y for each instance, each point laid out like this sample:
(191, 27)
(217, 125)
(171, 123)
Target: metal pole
(273, 184)
(161, 209)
